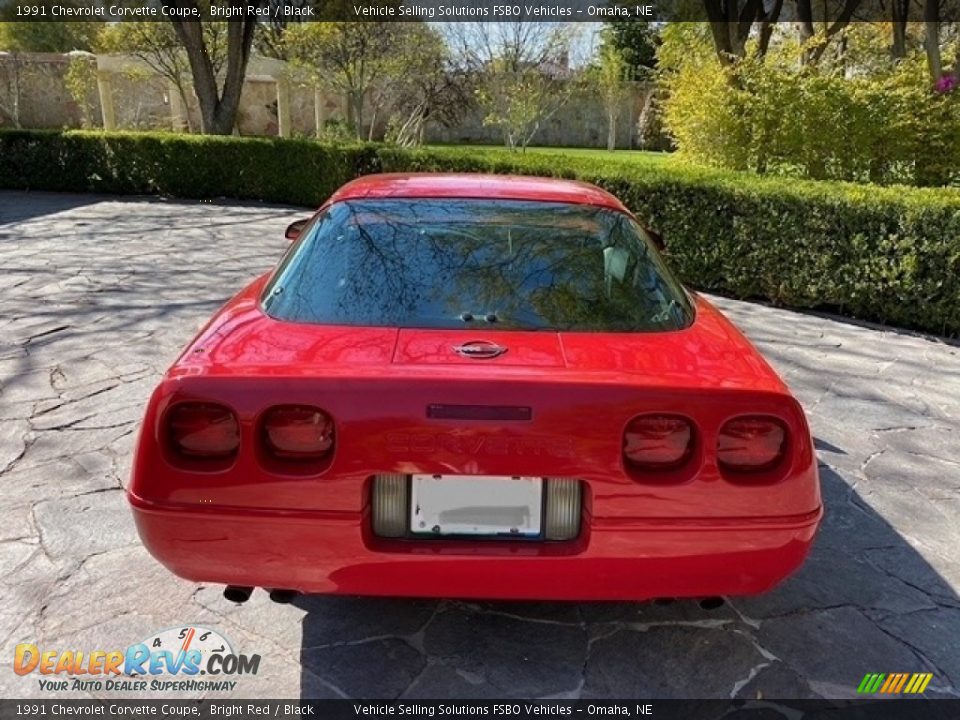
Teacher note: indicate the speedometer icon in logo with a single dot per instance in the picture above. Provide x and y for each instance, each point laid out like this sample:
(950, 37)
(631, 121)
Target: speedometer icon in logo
(190, 645)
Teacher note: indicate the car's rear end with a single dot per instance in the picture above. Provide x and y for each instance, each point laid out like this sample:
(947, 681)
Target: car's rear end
(511, 440)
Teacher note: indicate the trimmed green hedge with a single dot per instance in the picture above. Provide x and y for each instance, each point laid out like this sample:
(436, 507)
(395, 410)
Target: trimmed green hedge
(884, 254)
(300, 172)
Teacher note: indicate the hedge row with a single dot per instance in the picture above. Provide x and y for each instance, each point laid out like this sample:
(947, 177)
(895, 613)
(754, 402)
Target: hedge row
(884, 254)
(300, 172)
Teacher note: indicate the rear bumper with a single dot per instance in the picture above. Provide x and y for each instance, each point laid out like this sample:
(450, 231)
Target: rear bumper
(614, 559)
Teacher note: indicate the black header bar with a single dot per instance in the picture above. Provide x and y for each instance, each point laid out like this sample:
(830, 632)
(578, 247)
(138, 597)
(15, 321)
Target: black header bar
(872, 709)
(435, 10)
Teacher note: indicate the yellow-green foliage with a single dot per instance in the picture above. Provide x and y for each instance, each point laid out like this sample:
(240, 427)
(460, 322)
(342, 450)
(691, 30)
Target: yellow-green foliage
(863, 119)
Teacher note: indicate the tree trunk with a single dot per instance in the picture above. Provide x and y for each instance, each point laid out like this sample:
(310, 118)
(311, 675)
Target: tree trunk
(805, 20)
(218, 109)
(355, 109)
(182, 92)
(643, 121)
(612, 129)
(721, 42)
(843, 19)
(898, 18)
(766, 28)
(15, 102)
(731, 25)
(931, 38)
(718, 17)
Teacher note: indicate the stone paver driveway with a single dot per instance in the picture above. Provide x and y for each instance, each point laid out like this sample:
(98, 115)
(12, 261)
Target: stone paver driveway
(97, 295)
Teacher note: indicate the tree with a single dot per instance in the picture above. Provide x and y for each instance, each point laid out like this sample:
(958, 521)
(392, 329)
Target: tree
(522, 71)
(610, 73)
(425, 85)
(519, 101)
(218, 100)
(156, 45)
(269, 40)
(636, 43)
(931, 38)
(11, 88)
(348, 57)
(44, 36)
(899, 10)
(81, 82)
(19, 36)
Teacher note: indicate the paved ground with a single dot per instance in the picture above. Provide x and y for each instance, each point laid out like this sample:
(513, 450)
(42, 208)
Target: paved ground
(97, 295)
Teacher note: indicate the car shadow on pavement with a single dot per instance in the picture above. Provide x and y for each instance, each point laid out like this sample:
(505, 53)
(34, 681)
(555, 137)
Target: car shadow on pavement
(865, 601)
(18, 207)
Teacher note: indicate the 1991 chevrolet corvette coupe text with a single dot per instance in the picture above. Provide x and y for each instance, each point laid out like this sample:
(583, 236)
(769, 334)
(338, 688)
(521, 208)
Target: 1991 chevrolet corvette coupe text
(475, 386)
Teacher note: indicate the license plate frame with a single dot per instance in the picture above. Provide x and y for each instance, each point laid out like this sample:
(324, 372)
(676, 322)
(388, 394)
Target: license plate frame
(476, 506)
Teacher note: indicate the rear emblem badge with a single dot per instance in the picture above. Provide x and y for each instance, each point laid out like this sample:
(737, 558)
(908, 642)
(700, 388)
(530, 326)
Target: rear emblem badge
(480, 350)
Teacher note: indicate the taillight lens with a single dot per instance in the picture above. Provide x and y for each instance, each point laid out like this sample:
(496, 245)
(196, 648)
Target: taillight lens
(298, 432)
(751, 443)
(658, 442)
(203, 430)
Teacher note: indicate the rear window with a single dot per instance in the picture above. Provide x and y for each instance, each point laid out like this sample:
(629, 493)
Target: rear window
(483, 263)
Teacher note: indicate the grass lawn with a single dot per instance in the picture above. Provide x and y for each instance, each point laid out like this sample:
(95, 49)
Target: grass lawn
(596, 154)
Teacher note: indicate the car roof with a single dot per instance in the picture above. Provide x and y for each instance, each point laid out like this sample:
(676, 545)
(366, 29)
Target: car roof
(468, 185)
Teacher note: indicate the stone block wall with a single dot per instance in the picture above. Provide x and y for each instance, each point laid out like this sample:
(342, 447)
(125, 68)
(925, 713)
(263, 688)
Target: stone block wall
(33, 94)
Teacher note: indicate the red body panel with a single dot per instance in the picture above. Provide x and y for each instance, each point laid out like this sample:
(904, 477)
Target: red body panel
(694, 531)
(504, 187)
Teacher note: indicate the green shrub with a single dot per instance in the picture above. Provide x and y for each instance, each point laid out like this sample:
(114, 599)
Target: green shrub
(885, 254)
(861, 121)
(301, 172)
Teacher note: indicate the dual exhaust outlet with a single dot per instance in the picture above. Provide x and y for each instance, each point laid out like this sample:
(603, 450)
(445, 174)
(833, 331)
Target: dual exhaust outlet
(242, 593)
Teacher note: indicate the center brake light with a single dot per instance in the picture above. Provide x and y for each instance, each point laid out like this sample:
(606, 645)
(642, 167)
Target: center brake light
(205, 431)
(298, 432)
(658, 442)
(751, 443)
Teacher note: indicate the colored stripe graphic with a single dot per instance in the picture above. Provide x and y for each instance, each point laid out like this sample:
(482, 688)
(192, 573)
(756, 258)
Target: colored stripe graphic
(927, 677)
(891, 682)
(894, 683)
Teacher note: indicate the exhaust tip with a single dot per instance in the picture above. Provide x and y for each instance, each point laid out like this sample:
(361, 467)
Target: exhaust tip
(712, 603)
(237, 593)
(282, 596)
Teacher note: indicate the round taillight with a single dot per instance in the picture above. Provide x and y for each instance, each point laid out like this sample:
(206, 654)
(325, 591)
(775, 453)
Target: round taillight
(203, 430)
(658, 442)
(751, 443)
(298, 432)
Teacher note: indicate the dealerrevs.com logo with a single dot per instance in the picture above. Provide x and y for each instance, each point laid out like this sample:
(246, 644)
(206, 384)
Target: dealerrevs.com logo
(182, 659)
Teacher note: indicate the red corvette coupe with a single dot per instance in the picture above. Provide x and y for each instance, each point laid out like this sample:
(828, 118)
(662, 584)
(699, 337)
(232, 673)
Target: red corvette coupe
(479, 387)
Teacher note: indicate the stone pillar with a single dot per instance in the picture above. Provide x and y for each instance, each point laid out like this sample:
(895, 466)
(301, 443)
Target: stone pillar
(105, 91)
(283, 107)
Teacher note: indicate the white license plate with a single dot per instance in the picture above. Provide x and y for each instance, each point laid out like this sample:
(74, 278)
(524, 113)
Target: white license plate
(490, 505)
